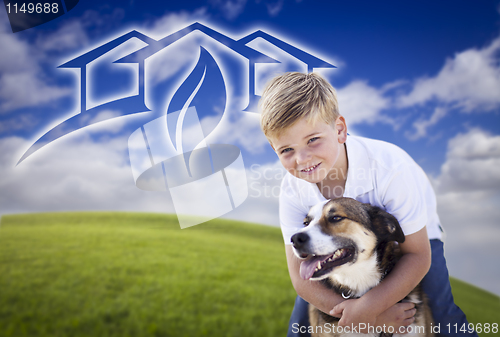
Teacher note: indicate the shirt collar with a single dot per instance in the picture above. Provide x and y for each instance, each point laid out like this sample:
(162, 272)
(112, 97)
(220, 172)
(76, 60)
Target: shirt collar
(359, 173)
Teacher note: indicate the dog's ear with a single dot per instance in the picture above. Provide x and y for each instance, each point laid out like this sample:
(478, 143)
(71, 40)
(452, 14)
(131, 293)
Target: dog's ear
(386, 225)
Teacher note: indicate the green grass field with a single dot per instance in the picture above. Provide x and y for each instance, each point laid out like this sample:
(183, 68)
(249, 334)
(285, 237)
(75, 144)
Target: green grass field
(129, 274)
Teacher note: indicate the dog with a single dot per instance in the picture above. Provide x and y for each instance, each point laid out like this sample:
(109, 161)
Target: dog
(351, 247)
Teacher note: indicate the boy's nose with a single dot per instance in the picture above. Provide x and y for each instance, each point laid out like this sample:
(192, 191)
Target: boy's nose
(303, 157)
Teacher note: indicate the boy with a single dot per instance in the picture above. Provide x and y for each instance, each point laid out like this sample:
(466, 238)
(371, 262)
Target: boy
(300, 118)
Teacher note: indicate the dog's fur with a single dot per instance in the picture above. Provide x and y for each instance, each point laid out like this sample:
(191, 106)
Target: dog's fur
(364, 239)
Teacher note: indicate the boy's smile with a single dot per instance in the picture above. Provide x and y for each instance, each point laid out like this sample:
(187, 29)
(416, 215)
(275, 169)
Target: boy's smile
(312, 151)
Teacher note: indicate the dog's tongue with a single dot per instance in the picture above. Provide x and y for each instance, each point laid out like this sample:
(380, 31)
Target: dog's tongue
(307, 267)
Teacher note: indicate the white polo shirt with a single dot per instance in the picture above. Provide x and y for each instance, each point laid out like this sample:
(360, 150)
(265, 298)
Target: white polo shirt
(379, 173)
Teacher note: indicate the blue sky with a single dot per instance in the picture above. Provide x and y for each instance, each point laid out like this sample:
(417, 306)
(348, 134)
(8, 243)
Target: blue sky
(423, 75)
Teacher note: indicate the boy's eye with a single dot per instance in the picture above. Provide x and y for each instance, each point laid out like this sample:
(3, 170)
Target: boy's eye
(286, 150)
(313, 139)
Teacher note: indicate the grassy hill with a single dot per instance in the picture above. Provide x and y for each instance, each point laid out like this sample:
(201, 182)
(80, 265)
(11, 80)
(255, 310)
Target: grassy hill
(128, 274)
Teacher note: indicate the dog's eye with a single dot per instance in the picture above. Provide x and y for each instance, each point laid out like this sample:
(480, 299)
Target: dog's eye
(335, 218)
(306, 223)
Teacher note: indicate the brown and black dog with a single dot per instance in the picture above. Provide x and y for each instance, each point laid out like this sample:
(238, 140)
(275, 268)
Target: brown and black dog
(351, 247)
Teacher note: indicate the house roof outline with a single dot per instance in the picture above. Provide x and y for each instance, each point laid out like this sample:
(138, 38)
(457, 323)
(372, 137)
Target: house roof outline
(311, 60)
(84, 59)
(237, 46)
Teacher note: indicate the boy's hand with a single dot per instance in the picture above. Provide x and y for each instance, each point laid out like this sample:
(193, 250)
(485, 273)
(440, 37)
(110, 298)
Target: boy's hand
(399, 316)
(353, 312)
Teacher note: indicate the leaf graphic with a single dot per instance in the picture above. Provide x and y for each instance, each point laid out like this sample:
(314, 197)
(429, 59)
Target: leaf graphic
(205, 91)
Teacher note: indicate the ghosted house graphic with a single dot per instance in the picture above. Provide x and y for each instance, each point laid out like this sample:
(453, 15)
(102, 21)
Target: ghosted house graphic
(194, 171)
(136, 103)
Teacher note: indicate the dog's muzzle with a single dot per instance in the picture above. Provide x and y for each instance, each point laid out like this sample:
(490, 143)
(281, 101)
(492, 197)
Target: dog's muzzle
(317, 265)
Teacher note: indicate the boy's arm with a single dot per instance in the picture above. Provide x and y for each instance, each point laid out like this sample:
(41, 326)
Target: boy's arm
(325, 299)
(405, 276)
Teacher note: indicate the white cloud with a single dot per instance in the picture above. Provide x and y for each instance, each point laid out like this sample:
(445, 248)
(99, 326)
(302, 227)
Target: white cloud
(22, 83)
(18, 122)
(68, 37)
(75, 174)
(15, 55)
(274, 7)
(244, 131)
(361, 103)
(103, 18)
(231, 9)
(172, 22)
(470, 80)
(471, 164)
(422, 125)
(468, 194)
(26, 89)
(22, 79)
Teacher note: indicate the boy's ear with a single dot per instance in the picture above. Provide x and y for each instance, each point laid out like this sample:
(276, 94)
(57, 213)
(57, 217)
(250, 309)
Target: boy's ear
(386, 225)
(341, 127)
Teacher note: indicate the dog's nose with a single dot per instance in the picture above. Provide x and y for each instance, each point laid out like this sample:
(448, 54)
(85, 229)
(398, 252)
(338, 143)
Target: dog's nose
(299, 240)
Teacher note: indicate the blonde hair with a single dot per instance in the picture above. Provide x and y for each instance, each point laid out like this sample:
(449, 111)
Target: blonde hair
(289, 97)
